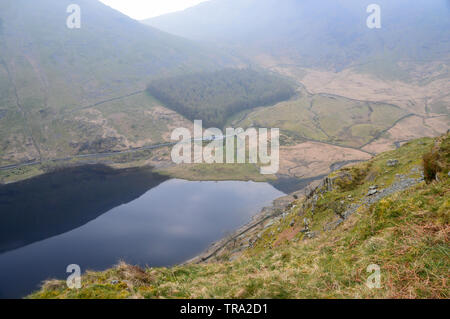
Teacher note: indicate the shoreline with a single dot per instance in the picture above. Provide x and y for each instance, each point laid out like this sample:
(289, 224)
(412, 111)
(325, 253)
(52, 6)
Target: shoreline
(276, 209)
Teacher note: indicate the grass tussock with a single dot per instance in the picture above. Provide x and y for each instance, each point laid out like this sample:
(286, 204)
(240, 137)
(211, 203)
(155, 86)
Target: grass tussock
(436, 161)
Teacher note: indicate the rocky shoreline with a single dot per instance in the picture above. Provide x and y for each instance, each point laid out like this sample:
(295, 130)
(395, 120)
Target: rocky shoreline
(276, 210)
(231, 246)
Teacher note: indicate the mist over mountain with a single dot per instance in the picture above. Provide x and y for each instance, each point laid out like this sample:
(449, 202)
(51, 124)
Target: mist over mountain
(109, 48)
(53, 77)
(325, 33)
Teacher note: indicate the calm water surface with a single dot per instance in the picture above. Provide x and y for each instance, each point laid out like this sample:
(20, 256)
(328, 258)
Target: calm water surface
(95, 217)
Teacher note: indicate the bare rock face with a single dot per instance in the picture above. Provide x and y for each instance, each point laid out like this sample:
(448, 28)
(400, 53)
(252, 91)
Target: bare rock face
(328, 182)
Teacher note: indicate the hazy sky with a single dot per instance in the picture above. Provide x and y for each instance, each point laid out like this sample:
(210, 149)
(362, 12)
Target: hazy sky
(142, 9)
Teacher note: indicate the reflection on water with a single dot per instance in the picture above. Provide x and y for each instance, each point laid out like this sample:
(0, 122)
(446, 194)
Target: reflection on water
(52, 204)
(95, 216)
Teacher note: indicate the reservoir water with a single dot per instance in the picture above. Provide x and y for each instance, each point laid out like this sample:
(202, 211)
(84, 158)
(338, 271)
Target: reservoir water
(95, 216)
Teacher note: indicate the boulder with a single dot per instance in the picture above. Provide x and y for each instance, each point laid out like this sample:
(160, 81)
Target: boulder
(270, 223)
(392, 163)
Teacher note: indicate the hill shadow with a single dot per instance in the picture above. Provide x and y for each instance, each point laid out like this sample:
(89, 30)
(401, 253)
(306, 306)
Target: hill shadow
(57, 202)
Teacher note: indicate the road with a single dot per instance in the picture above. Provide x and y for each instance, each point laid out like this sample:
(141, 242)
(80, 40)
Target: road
(86, 156)
(107, 154)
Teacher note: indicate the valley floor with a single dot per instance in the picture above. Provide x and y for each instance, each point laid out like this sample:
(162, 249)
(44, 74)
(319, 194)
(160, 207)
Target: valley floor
(374, 116)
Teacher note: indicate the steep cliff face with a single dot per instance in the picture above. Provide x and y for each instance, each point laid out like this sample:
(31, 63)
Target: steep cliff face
(384, 214)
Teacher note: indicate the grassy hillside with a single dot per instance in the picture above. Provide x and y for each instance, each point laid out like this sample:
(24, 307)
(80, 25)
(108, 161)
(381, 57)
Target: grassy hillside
(378, 212)
(61, 88)
(215, 96)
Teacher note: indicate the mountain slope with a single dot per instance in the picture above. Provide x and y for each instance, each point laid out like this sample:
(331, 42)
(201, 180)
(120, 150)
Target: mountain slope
(60, 86)
(326, 33)
(380, 212)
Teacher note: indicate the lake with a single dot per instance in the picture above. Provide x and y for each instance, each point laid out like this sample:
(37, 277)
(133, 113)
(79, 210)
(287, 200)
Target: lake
(95, 216)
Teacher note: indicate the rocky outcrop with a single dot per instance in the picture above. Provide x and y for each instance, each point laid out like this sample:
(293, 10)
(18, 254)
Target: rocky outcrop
(374, 195)
(392, 163)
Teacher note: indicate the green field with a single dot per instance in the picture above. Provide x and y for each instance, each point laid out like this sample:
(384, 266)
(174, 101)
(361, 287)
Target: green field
(325, 118)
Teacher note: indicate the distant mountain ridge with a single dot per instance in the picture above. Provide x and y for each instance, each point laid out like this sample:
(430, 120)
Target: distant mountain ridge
(329, 33)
